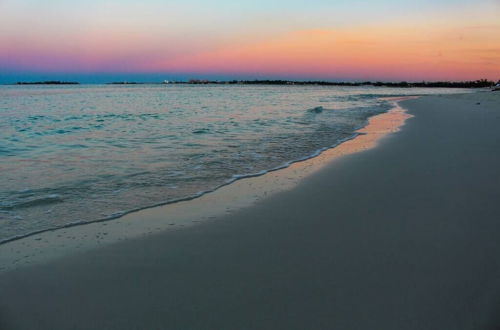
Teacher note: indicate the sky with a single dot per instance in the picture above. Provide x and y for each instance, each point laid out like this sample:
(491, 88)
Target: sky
(348, 40)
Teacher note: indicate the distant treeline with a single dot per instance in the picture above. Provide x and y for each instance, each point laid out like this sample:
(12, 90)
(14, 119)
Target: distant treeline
(452, 84)
(49, 82)
(482, 83)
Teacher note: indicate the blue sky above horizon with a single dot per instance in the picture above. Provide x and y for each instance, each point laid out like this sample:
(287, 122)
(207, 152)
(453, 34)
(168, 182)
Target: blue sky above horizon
(222, 39)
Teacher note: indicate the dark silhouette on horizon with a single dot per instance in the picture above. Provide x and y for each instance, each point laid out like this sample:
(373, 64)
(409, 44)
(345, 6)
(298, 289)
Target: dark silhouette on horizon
(481, 83)
(48, 82)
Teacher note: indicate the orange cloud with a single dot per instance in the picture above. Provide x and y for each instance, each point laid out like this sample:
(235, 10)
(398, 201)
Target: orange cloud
(429, 52)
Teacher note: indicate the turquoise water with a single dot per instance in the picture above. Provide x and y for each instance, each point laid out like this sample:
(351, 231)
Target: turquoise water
(84, 153)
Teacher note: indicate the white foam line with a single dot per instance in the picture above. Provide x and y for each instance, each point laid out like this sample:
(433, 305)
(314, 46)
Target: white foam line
(233, 179)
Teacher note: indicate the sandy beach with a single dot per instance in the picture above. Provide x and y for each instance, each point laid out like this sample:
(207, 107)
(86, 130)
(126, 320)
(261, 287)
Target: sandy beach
(400, 236)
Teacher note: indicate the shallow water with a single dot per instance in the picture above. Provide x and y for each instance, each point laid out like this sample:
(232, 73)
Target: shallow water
(89, 152)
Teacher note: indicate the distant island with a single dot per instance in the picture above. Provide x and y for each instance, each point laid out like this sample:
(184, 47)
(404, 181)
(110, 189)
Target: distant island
(481, 83)
(49, 82)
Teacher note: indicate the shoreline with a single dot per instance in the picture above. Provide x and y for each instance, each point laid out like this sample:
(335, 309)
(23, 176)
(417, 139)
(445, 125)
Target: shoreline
(402, 236)
(58, 242)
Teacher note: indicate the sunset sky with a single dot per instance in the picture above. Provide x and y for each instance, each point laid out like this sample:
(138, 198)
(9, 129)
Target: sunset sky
(295, 39)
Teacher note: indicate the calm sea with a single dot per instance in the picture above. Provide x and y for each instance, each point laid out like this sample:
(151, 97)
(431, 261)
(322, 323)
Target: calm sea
(83, 153)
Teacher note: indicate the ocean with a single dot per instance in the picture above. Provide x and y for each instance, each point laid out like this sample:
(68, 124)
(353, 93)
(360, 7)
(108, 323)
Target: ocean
(82, 153)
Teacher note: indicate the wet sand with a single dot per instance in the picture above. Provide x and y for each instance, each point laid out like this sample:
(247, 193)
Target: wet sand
(53, 244)
(401, 236)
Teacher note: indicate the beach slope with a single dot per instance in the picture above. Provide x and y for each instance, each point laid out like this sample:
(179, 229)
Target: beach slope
(401, 236)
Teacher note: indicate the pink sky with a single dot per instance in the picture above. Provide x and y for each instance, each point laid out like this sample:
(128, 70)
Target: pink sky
(128, 37)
